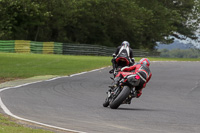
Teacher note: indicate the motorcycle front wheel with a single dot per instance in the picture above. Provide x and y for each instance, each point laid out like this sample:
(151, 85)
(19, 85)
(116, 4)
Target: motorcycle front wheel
(120, 98)
(106, 103)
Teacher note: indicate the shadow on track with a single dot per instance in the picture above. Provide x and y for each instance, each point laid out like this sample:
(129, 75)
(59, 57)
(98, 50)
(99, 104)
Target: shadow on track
(139, 109)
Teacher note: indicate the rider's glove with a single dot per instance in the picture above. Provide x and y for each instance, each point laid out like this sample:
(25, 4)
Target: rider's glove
(133, 60)
(114, 55)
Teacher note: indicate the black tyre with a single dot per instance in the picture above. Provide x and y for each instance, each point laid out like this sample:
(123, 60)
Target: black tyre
(120, 98)
(106, 103)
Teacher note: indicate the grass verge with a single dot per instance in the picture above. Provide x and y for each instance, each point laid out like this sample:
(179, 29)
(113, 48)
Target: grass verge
(29, 65)
(7, 126)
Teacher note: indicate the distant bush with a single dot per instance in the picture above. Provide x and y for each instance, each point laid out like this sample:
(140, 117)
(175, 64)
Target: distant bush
(180, 53)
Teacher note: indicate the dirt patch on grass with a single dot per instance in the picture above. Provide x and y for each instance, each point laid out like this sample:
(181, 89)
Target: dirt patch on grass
(2, 80)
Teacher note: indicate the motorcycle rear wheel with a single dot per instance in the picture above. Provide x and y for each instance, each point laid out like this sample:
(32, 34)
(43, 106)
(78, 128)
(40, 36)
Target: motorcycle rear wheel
(120, 98)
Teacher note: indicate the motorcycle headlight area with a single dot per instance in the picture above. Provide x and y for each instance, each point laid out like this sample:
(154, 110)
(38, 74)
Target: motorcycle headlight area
(132, 80)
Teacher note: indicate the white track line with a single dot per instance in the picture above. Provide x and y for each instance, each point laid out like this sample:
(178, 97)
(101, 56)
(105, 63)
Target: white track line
(7, 111)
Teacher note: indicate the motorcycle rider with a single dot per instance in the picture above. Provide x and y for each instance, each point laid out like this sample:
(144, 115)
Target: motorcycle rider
(141, 69)
(122, 50)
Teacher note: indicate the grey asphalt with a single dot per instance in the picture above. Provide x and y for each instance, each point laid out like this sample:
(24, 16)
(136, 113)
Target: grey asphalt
(169, 104)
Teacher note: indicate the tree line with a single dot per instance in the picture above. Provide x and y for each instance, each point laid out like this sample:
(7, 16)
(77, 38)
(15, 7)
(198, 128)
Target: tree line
(104, 22)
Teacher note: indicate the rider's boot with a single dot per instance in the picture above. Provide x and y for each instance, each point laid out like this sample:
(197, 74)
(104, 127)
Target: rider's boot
(112, 86)
(138, 93)
(113, 65)
(111, 71)
(115, 83)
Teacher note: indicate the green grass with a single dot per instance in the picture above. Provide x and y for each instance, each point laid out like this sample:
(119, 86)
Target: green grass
(29, 65)
(7, 126)
(14, 65)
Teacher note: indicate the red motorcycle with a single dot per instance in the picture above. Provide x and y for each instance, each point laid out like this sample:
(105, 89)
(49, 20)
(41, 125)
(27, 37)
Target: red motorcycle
(123, 89)
(121, 62)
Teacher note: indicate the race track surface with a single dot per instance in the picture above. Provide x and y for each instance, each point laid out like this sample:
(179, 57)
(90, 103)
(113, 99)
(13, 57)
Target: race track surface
(169, 104)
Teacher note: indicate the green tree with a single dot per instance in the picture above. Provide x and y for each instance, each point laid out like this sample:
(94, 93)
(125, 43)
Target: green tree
(19, 19)
(170, 18)
(104, 22)
(61, 15)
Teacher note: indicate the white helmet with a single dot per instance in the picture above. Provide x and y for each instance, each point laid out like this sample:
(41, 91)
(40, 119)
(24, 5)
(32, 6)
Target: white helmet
(125, 43)
(145, 61)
